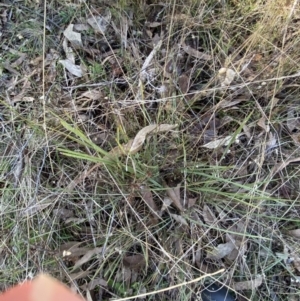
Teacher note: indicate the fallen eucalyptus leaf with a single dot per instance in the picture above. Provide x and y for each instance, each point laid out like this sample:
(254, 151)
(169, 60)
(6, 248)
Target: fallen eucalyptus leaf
(221, 142)
(72, 36)
(208, 215)
(100, 23)
(93, 283)
(174, 195)
(134, 262)
(147, 196)
(221, 250)
(180, 219)
(195, 53)
(85, 258)
(72, 68)
(248, 285)
(140, 138)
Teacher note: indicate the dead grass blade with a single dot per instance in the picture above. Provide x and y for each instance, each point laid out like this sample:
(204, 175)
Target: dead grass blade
(195, 53)
(86, 257)
(248, 285)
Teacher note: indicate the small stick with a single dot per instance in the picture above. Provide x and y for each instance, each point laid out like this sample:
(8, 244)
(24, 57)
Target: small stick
(171, 287)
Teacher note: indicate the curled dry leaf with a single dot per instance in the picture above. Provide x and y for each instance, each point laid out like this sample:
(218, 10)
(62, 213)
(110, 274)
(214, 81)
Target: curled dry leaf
(63, 213)
(86, 257)
(148, 197)
(280, 166)
(240, 250)
(195, 53)
(180, 219)
(293, 122)
(221, 142)
(226, 76)
(68, 51)
(100, 23)
(78, 275)
(262, 123)
(134, 262)
(248, 285)
(221, 251)
(184, 83)
(93, 283)
(72, 68)
(208, 215)
(94, 94)
(140, 138)
(134, 145)
(174, 195)
(167, 202)
(72, 36)
(72, 249)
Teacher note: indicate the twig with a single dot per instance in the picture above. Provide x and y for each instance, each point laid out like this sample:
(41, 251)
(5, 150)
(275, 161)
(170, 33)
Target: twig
(171, 287)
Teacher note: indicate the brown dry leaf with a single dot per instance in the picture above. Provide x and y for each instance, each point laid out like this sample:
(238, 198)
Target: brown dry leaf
(221, 250)
(134, 262)
(63, 213)
(179, 219)
(72, 68)
(153, 24)
(221, 142)
(19, 61)
(75, 220)
(100, 23)
(70, 55)
(294, 233)
(78, 275)
(94, 94)
(9, 68)
(191, 202)
(167, 202)
(248, 285)
(293, 122)
(296, 138)
(209, 216)
(278, 167)
(184, 83)
(240, 250)
(238, 230)
(195, 53)
(93, 283)
(72, 249)
(86, 257)
(81, 27)
(174, 195)
(148, 197)
(140, 138)
(72, 36)
(134, 145)
(262, 123)
(226, 76)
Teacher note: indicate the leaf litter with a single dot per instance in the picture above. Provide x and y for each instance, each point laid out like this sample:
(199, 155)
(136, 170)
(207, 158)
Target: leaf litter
(163, 87)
